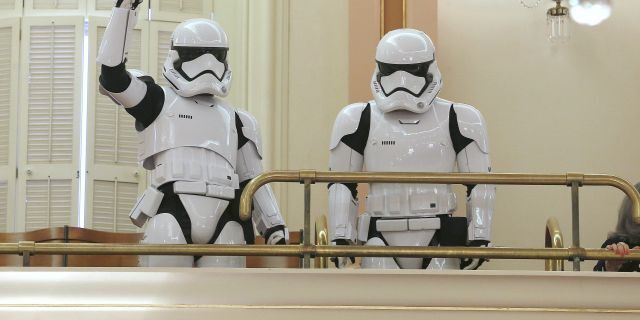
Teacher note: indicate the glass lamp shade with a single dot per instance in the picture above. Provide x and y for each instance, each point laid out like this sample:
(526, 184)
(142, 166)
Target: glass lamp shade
(558, 27)
(590, 12)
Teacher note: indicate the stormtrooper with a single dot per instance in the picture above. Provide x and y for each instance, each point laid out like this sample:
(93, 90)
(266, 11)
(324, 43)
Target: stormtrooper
(408, 128)
(199, 150)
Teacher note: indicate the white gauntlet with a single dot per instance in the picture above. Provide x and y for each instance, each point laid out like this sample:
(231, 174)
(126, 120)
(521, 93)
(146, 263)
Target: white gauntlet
(115, 42)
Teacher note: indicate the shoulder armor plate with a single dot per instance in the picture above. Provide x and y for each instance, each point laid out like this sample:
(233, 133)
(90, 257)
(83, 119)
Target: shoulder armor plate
(472, 125)
(250, 129)
(346, 123)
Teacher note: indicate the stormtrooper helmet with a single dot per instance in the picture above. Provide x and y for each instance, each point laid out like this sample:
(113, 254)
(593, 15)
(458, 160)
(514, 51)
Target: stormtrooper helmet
(197, 62)
(406, 76)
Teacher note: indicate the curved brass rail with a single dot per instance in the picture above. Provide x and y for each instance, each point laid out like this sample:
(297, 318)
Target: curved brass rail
(313, 176)
(32, 248)
(322, 239)
(553, 239)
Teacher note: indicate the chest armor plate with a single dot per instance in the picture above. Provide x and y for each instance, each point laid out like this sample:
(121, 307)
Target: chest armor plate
(406, 141)
(190, 122)
(403, 141)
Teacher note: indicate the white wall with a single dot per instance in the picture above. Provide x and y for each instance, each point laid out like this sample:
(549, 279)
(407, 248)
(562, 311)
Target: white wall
(318, 89)
(550, 109)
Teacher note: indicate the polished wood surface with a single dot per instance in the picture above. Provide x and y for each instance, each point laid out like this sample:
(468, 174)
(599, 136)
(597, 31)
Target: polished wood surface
(81, 235)
(42, 235)
(295, 237)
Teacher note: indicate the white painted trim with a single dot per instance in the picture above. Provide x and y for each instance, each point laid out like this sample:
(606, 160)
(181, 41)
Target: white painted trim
(30, 11)
(280, 145)
(154, 59)
(143, 10)
(165, 293)
(8, 172)
(16, 12)
(44, 171)
(158, 15)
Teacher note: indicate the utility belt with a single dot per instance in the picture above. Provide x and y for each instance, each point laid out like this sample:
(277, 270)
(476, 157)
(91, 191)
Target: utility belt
(406, 200)
(149, 202)
(450, 231)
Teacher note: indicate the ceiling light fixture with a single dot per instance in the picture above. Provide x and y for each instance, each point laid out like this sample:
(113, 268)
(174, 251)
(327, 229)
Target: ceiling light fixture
(590, 12)
(558, 23)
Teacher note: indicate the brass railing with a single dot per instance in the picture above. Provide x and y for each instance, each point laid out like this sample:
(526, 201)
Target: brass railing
(575, 253)
(30, 248)
(553, 239)
(574, 180)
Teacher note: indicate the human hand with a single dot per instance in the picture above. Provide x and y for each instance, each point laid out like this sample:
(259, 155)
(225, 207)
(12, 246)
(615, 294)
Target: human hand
(621, 249)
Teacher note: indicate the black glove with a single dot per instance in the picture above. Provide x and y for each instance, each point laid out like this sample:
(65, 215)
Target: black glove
(276, 235)
(129, 4)
(341, 262)
(473, 264)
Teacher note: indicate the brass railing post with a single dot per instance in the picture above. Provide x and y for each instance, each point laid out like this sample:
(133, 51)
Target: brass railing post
(26, 249)
(307, 177)
(322, 239)
(553, 239)
(575, 221)
(307, 223)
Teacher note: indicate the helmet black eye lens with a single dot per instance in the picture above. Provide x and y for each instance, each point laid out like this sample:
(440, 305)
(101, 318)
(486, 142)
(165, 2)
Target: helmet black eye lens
(191, 53)
(416, 69)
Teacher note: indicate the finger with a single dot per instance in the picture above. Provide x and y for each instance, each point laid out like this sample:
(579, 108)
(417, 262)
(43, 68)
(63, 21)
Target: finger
(614, 248)
(609, 247)
(626, 248)
(618, 249)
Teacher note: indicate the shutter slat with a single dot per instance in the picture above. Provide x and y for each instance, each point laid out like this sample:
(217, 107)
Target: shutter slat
(106, 199)
(6, 49)
(164, 44)
(104, 4)
(107, 133)
(48, 203)
(188, 6)
(7, 5)
(52, 82)
(55, 4)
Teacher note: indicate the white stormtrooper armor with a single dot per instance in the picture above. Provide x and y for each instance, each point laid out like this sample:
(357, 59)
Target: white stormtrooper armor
(200, 151)
(407, 128)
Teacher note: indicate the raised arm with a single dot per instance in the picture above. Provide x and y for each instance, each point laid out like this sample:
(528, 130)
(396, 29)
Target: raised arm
(140, 96)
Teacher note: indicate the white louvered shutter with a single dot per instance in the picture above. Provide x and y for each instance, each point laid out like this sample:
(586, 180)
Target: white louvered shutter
(114, 178)
(159, 45)
(55, 7)
(9, 58)
(180, 10)
(103, 4)
(3, 206)
(50, 121)
(102, 8)
(10, 8)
